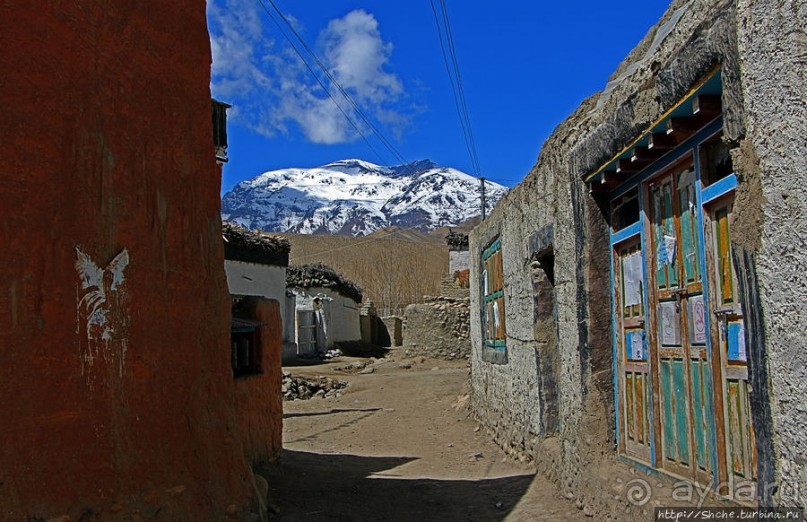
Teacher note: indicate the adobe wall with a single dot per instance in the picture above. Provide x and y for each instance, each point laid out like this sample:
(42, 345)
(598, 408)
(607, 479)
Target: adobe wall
(258, 400)
(438, 328)
(763, 96)
(341, 314)
(772, 164)
(115, 404)
(257, 279)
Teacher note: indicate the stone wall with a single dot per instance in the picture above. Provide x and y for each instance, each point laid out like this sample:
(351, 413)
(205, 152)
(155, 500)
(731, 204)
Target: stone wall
(553, 398)
(117, 393)
(773, 168)
(395, 329)
(438, 327)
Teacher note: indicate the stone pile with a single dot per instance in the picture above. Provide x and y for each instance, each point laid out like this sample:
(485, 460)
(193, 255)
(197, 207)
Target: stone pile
(439, 327)
(305, 388)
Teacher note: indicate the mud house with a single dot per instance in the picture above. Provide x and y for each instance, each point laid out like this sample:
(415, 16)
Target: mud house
(637, 298)
(255, 265)
(327, 308)
(118, 400)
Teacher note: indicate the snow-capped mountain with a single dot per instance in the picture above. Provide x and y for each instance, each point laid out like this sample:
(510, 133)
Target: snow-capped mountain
(355, 197)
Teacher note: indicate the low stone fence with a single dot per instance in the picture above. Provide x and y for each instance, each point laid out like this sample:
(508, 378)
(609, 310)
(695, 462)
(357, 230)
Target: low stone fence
(439, 327)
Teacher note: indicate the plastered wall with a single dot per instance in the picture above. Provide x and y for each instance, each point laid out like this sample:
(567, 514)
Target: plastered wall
(116, 395)
(757, 47)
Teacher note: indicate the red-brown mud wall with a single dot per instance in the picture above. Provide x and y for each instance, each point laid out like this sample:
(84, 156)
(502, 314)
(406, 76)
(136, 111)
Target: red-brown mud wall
(259, 402)
(115, 384)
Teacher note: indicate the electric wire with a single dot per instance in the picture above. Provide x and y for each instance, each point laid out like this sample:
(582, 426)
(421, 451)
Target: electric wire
(458, 76)
(454, 92)
(319, 81)
(359, 112)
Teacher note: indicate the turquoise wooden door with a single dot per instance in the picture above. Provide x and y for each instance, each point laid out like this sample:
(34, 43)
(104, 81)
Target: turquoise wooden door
(735, 430)
(680, 358)
(632, 359)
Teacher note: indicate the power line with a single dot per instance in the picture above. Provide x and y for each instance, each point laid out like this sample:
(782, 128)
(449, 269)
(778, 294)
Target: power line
(319, 81)
(453, 87)
(453, 52)
(358, 111)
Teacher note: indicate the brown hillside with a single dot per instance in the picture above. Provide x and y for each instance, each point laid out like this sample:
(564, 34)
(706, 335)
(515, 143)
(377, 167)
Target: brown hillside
(394, 266)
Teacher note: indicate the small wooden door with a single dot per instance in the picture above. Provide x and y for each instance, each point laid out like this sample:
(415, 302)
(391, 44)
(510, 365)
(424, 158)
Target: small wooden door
(728, 336)
(306, 332)
(680, 336)
(632, 357)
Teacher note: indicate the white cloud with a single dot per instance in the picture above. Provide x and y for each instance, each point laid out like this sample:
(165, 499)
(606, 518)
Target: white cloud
(272, 91)
(357, 55)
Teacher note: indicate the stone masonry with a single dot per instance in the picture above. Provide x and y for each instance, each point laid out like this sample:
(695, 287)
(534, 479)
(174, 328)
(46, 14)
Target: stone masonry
(759, 47)
(438, 327)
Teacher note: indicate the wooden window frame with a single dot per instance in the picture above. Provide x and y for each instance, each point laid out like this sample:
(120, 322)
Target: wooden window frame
(492, 286)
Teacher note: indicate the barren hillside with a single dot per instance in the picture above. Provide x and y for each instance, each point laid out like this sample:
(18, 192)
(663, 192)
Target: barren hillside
(394, 266)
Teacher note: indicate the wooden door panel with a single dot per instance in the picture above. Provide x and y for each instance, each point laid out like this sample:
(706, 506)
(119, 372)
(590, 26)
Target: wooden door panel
(684, 370)
(736, 433)
(633, 366)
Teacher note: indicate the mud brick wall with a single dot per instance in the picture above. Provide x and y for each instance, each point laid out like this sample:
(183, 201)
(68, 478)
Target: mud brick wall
(439, 328)
(258, 399)
(394, 326)
(116, 395)
(756, 44)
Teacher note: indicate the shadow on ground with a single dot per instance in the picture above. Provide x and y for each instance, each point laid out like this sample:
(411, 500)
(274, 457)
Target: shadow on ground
(315, 486)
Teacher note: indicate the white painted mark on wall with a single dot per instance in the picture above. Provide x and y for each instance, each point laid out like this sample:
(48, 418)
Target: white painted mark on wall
(99, 298)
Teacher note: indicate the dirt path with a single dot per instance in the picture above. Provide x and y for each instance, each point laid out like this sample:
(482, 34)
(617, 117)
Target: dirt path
(398, 445)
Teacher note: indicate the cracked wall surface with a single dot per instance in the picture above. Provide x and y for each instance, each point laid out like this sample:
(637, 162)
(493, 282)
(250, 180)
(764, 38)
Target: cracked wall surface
(760, 48)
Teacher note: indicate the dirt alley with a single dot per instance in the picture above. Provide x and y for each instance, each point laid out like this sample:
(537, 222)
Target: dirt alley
(399, 445)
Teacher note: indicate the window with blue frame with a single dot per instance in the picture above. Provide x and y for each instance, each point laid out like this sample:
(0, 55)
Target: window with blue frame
(493, 297)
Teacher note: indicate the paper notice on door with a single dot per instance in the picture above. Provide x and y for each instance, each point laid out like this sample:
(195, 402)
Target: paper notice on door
(670, 324)
(637, 345)
(661, 254)
(697, 319)
(670, 243)
(632, 272)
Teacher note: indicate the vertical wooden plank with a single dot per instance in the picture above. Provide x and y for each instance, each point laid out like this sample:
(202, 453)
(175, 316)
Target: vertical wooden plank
(687, 240)
(669, 230)
(735, 423)
(696, 367)
(681, 413)
(630, 420)
(667, 406)
(658, 236)
(640, 435)
(752, 447)
(723, 256)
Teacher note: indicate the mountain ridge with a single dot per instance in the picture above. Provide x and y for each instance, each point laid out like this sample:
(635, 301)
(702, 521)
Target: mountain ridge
(356, 197)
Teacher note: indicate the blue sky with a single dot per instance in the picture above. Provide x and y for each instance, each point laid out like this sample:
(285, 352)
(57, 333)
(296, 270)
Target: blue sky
(525, 66)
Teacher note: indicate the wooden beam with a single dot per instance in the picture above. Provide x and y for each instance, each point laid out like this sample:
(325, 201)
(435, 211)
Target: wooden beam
(661, 141)
(608, 180)
(639, 154)
(680, 126)
(706, 105)
(625, 166)
(610, 177)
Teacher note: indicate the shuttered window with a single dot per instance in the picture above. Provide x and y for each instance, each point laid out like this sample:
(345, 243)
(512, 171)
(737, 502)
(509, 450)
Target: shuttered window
(493, 313)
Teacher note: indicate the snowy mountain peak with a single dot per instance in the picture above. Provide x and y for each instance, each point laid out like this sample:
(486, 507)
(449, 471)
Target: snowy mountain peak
(356, 197)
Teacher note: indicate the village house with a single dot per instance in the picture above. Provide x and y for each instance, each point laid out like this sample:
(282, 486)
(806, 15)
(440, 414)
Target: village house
(118, 400)
(255, 265)
(326, 308)
(638, 297)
